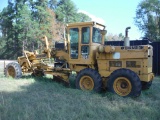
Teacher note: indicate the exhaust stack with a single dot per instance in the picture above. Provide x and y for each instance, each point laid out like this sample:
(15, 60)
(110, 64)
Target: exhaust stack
(126, 39)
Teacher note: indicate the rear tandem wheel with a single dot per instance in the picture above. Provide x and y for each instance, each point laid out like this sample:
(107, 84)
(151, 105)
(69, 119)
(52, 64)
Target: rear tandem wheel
(124, 82)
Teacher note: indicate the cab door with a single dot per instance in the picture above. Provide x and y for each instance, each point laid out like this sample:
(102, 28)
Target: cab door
(74, 43)
(85, 42)
(79, 38)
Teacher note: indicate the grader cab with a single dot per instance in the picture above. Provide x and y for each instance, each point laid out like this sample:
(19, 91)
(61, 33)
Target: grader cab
(124, 70)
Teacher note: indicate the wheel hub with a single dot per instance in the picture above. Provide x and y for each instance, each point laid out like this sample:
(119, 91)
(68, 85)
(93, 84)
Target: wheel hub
(122, 86)
(86, 83)
(11, 71)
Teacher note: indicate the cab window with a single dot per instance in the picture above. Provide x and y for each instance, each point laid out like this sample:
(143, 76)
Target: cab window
(85, 35)
(96, 37)
(85, 51)
(74, 37)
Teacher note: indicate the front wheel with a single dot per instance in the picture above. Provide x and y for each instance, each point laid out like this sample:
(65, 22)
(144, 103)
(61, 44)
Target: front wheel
(13, 70)
(124, 82)
(89, 79)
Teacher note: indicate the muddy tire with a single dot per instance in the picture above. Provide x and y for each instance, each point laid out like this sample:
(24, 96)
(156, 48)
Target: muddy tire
(124, 82)
(89, 79)
(13, 70)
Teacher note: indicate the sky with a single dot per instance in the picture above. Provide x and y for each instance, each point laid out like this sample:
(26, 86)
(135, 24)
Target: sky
(3, 4)
(115, 14)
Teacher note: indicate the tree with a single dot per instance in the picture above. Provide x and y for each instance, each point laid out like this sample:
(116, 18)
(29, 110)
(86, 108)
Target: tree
(148, 18)
(42, 16)
(81, 17)
(24, 22)
(7, 15)
(66, 11)
(112, 37)
(52, 4)
(121, 36)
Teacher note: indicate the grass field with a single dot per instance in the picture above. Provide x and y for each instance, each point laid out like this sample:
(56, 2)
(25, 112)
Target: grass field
(43, 99)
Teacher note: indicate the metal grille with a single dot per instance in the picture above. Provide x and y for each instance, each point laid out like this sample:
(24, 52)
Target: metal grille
(134, 64)
(115, 63)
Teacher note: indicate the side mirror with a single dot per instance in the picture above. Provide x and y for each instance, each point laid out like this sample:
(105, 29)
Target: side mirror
(103, 32)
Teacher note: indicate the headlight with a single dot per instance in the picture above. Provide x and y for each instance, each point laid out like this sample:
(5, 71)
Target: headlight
(101, 48)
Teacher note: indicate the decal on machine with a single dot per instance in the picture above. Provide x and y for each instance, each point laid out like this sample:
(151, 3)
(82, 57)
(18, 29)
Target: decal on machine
(131, 47)
(116, 55)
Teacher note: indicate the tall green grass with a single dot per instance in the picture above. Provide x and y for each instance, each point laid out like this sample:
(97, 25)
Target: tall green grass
(43, 99)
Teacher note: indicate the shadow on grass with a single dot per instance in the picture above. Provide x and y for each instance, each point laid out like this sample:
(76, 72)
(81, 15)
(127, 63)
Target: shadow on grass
(47, 78)
(44, 78)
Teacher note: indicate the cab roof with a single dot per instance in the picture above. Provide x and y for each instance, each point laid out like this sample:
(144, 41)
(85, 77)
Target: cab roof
(93, 23)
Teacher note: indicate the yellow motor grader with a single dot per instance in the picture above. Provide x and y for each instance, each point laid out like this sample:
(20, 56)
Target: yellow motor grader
(124, 70)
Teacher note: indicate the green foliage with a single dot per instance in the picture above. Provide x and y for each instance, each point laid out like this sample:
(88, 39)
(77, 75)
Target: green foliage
(53, 4)
(24, 22)
(81, 17)
(66, 11)
(42, 17)
(43, 99)
(148, 18)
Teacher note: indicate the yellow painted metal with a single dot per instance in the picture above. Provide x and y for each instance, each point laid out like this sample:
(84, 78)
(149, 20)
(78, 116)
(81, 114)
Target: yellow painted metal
(86, 24)
(91, 60)
(122, 86)
(63, 73)
(109, 49)
(105, 59)
(146, 77)
(86, 83)
(137, 59)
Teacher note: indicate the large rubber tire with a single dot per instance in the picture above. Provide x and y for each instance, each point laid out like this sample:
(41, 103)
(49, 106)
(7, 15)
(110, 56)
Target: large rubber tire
(124, 82)
(146, 85)
(89, 79)
(13, 70)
